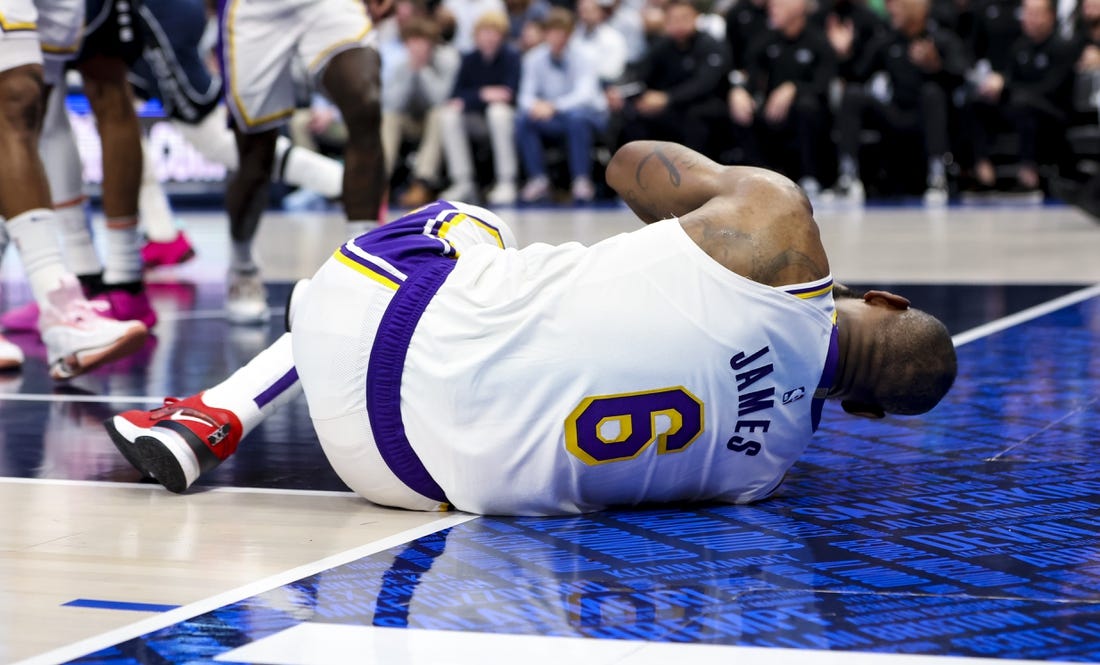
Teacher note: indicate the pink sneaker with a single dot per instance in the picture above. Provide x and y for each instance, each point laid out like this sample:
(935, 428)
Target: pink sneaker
(122, 305)
(21, 319)
(174, 252)
(78, 338)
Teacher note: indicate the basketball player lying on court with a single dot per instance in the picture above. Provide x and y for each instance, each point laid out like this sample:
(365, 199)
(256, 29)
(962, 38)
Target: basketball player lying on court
(684, 361)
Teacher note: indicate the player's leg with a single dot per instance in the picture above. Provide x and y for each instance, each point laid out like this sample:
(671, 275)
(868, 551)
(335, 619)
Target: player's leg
(246, 197)
(187, 437)
(351, 80)
(76, 338)
(112, 102)
(64, 172)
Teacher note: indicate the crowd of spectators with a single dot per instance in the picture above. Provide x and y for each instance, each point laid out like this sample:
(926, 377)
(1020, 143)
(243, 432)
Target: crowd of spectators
(522, 100)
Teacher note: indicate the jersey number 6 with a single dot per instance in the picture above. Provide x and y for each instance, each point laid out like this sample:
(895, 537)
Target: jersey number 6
(612, 428)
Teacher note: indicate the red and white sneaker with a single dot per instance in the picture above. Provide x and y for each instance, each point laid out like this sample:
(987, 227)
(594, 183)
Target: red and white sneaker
(77, 335)
(178, 442)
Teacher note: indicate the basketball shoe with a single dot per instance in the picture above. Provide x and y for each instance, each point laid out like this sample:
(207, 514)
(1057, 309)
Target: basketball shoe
(246, 300)
(177, 442)
(174, 252)
(11, 356)
(117, 304)
(78, 337)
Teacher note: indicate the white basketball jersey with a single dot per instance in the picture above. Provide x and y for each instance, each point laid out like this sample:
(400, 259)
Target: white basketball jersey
(560, 379)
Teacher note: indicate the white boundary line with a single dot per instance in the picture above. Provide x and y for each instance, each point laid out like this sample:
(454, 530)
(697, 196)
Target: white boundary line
(93, 399)
(153, 487)
(119, 635)
(1028, 314)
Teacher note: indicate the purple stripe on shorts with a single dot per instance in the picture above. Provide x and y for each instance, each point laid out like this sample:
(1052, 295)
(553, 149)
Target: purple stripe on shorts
(384, 370)
(828, 375)
(278, 388)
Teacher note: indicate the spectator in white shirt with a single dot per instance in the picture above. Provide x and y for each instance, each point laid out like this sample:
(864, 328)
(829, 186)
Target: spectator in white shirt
(594, 32)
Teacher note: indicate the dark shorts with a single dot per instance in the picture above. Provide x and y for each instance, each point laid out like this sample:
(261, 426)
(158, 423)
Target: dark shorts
(171, 68)
(110, 29)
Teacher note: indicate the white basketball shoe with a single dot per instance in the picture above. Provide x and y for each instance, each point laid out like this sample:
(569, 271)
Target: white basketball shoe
(78, 337)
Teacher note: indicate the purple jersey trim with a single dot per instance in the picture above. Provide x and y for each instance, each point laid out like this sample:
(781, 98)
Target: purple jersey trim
(384, 369)
(278, 388)
(828, 375)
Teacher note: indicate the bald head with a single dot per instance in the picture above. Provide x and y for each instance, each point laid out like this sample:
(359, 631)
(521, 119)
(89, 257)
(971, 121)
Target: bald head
(893, 359)
(917, 363)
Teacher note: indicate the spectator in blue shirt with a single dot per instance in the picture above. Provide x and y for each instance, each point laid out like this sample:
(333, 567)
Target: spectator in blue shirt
(560, 99)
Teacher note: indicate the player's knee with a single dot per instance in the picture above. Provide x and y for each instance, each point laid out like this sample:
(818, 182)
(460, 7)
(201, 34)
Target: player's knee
(22, 100)
(363, 113)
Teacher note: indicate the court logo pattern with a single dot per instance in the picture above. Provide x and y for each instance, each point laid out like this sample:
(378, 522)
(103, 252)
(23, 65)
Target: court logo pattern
(973, 531)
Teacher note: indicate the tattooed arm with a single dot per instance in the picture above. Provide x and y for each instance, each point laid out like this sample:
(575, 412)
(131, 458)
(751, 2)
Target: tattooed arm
(755, 222)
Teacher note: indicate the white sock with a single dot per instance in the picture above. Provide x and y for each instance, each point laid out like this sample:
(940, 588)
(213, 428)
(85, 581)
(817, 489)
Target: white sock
(156, 213)
(123, 264)
(76, 240)
(35, 235)
(301, 167)
(258, 389)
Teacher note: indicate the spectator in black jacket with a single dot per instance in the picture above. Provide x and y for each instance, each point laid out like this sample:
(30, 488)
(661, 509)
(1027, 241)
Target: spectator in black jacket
(483, 105)
(681, 92)
(849, 15)
(1033, 93)
(745, 21)
(920, 67)
(784, 101)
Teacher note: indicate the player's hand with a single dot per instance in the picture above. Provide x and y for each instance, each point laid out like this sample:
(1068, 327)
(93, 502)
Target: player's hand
(992, 86)
(923, 54)
(614, 99)
(652, 102)
(742, 106)
(496, 94)
(778, 105)
(1090, 59)
(379, 9)
(841, 34)
(542, 110)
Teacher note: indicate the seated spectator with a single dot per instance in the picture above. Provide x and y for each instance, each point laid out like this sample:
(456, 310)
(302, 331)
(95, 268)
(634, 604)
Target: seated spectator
(681, 92)
(532, 34)
(560, 99)
(834, 16)
(1033, 94)
(745, 21)
(466, 14)
(920, 68)
(594, 32)
(520, 14)
(785, 100)
(1086, 38)
(419, 85)
(626, 17)
(483, 105)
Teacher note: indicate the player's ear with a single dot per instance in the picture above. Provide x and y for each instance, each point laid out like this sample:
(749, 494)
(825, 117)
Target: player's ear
(891, 300)
(862, 409)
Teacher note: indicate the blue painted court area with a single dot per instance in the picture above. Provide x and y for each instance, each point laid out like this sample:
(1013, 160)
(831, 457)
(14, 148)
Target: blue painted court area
(972, 531)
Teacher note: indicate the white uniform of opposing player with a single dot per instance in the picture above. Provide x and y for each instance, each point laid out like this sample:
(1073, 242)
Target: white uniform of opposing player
(558, 379)
(263, 38)
(40, 32)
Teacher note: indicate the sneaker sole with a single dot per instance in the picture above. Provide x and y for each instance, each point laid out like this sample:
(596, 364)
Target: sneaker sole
(148, 454)
(174, 262)
(85, 360)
